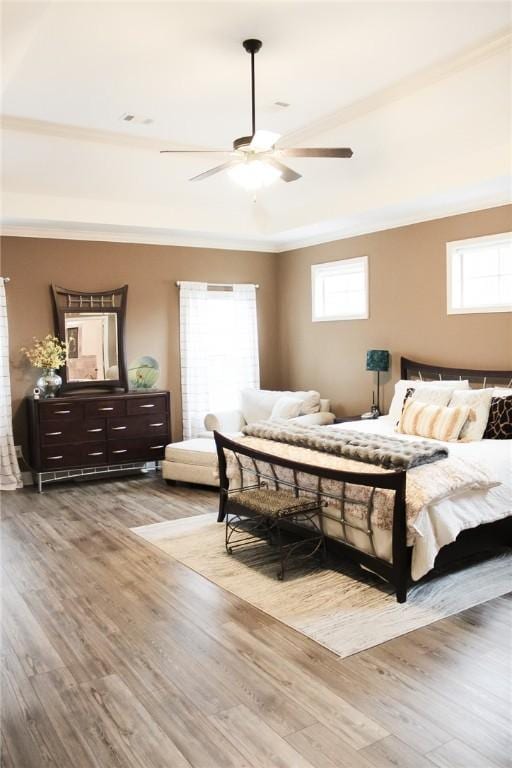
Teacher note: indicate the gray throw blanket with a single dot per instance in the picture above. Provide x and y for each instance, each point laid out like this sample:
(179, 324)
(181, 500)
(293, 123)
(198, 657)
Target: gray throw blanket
(387, 452)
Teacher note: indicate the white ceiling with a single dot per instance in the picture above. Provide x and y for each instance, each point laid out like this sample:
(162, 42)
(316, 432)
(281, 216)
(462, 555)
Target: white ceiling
(419, 90)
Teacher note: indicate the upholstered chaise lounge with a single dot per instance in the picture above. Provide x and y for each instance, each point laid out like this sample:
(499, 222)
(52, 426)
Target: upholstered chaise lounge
(195, 460)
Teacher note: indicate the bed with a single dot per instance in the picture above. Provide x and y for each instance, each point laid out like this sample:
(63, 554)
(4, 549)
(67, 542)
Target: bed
(448, 532)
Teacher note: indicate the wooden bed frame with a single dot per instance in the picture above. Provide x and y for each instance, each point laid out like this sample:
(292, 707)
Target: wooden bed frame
(482, 540)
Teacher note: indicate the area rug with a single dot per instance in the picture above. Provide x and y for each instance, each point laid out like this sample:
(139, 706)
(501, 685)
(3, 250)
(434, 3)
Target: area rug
(345, 610)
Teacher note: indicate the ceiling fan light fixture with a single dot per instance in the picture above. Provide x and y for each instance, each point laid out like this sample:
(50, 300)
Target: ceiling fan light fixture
(254, 174)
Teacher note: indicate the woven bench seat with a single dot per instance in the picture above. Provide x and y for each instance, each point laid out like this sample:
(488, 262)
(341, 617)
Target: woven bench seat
(266, 501)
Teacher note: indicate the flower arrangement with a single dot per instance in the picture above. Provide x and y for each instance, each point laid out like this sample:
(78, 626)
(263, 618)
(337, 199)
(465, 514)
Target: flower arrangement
(46, 353)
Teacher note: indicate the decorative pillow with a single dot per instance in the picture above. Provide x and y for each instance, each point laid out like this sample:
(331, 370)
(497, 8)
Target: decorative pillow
(435, 421)
(310, 401)
(499, 426)
(501, 391)
(431, 395)
(286, 408)
(401, 387)
(480, 401)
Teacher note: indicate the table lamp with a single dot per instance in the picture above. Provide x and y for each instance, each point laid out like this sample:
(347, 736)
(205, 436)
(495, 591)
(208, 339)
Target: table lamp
(377, 360)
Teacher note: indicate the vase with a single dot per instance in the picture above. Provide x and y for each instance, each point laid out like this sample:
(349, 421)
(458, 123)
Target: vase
(49, 382)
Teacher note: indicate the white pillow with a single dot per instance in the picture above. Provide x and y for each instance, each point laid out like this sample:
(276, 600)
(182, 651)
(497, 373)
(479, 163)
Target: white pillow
(479, 400)
(286, 408)
(432, 395)
(257, 404)
(501, 392)
(401, 387)
(310, 401)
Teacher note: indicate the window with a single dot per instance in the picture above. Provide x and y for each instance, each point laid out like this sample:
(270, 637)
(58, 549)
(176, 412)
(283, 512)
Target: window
(219, 349)
(479, 274)
(340, 290)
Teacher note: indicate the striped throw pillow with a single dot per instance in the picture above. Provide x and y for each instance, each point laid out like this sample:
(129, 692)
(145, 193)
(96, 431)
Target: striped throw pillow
(441, 423)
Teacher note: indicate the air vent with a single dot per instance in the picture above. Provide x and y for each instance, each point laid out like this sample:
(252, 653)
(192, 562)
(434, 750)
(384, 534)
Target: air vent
(129, 117)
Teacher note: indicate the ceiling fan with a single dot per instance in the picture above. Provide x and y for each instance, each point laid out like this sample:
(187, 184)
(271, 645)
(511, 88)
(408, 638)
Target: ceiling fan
(255, 160)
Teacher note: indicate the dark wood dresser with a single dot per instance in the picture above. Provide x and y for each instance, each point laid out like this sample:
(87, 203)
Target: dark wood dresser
(82, 435)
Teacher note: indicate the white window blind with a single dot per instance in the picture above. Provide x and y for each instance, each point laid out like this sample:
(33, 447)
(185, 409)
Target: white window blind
(479, 274)
(219, 349)
(340, 290)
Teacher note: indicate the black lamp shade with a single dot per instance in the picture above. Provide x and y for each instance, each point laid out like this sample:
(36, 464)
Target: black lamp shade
(377, 360)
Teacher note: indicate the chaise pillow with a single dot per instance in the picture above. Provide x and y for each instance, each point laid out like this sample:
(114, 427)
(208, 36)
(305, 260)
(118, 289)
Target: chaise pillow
(310, 401)
(480, 401)
(499, 426)
(286, 408)
(435, 421)
(401, 387)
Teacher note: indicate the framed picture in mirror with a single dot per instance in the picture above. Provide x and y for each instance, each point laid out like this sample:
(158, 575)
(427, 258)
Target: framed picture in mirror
(92, 325)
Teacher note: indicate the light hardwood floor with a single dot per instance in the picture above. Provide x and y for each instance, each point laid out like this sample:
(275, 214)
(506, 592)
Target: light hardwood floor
(113, 654)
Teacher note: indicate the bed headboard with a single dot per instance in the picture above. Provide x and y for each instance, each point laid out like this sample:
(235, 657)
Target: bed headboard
(410, 369)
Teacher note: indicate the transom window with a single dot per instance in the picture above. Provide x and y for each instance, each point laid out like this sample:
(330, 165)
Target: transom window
(340, 290)
(479, 274)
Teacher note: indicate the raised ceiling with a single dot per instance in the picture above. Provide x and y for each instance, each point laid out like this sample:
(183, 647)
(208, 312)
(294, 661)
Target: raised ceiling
(419, 90)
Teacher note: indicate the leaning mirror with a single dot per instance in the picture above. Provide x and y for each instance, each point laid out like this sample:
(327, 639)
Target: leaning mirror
(92, 325)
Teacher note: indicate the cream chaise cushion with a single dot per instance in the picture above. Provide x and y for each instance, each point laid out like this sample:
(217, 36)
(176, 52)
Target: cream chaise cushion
(199, 451)
(435, 421)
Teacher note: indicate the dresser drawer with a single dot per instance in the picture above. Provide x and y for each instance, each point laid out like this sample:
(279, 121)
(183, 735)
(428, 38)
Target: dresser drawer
(114, 407)
(60, 456)
(145, 405)
(141, 449)
(54, 411)
(135, 426)
(58, 432)
(94, 453)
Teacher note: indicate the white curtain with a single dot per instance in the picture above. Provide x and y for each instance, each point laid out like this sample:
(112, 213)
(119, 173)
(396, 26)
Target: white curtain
(10, 476)
(219, 349)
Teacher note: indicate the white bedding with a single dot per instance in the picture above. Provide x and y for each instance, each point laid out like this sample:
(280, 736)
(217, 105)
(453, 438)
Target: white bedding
(440, 523)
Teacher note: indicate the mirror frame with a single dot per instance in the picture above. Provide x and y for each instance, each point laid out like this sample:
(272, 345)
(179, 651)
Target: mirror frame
(67, 301)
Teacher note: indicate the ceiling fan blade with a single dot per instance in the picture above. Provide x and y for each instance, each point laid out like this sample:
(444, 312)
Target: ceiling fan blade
(317, 152)
(213, 171)
(263, 141)
(287, 174)
(195, 151)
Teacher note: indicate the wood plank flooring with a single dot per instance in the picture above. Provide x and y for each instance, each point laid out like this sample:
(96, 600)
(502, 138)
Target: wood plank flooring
(113, 654)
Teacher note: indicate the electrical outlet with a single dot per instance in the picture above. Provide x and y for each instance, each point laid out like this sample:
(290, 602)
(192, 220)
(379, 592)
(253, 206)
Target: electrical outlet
(19, 453)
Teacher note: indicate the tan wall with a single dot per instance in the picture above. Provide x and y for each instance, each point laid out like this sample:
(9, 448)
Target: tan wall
(407, 306)
(407, 268)
(152, 325)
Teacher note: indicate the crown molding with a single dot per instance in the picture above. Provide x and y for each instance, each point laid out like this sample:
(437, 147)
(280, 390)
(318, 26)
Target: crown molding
(499, 43)
(329, 232)
(126, 234)
(79, 133)
(279, 242)
(492, 46)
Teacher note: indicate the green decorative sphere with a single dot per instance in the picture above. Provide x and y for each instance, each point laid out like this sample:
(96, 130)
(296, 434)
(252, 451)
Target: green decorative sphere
(143, 373)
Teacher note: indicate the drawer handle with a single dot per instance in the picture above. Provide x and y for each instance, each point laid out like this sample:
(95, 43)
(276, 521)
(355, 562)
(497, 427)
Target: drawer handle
(62, 411)
(119, 428)
(148, 405)
(155, 447)
(54, 458)
(50, 434)
(96, 453)
(106, 408)
(96, 429)
(121, 450)
(157, 424)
